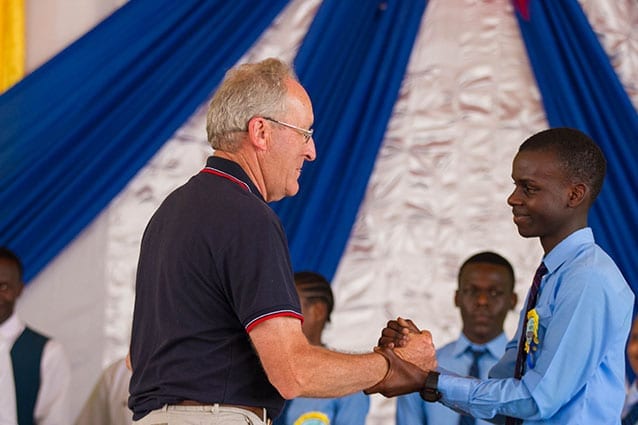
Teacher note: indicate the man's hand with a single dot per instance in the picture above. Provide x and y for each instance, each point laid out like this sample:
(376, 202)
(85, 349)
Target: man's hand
(410, 343)
(419, 350)
(402, 377)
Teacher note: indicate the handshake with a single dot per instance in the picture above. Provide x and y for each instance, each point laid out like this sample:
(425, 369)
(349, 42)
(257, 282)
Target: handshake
(411, 357)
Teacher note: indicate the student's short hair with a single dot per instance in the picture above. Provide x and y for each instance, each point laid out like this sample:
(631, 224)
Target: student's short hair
(7, 254)
(579, 155)
(315, 288)
(490, 258)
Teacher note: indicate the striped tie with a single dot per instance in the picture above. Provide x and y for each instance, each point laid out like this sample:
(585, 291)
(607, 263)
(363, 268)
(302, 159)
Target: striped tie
(522, 355)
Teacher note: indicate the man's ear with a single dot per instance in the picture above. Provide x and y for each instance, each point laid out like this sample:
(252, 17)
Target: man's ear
(259, 133)
(457, 302)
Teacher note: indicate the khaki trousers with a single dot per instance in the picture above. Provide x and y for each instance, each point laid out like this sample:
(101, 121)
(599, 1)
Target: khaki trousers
(213, 414)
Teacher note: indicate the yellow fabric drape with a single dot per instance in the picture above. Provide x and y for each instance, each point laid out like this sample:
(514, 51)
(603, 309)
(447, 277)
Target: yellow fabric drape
(12, 42)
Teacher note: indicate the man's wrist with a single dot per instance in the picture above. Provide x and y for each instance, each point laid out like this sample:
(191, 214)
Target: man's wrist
(430, 391)
(378, 351)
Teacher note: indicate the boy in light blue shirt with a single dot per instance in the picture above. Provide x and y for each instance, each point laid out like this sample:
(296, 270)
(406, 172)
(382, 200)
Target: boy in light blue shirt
(574, 351)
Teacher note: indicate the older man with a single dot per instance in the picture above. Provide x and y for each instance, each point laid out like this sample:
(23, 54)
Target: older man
(217, 332)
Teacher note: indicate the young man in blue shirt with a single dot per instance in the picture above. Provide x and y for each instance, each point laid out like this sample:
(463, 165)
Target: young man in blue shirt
(574, 349)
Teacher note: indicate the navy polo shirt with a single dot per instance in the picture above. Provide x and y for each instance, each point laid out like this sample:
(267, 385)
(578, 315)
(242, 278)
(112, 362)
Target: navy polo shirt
(213, 263)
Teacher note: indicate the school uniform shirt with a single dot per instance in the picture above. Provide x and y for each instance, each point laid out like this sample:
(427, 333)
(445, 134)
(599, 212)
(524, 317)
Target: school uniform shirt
(52, 404)
(454, 357)
(578, 371)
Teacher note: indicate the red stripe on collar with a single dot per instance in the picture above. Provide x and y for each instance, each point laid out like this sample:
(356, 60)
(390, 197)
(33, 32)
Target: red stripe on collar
(220, 173)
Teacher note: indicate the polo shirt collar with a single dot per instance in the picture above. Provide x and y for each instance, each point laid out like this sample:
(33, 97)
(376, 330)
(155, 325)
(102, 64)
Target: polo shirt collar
(230, 167)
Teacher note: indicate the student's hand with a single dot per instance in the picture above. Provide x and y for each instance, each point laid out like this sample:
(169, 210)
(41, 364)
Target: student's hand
(402, 377)
(396, 332)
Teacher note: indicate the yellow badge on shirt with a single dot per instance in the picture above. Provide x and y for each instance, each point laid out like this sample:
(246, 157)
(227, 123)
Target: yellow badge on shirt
(531, 333)
(313, 418)
(531, 337)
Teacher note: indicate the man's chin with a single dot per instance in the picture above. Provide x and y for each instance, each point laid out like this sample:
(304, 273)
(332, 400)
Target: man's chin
(292, 190)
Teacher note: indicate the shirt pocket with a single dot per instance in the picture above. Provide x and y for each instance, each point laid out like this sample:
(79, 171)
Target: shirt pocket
(544, 318)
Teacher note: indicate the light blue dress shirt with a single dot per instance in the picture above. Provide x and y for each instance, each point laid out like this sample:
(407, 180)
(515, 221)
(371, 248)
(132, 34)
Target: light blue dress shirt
(412, 410)
(585, 309)
(348, 410)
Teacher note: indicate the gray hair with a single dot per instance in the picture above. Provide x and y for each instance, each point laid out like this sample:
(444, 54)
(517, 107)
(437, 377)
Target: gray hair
(249, 90)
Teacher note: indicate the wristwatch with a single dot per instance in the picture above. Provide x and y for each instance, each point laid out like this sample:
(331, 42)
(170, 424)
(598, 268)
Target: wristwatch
(430, 392)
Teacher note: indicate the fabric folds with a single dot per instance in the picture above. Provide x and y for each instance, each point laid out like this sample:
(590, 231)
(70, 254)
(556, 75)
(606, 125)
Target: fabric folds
(76, 130)
(352, 63)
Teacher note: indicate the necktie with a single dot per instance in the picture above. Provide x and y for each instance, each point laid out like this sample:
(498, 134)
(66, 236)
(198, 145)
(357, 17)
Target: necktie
(474, 368)
(474, 371)
(522, 355)
(632, 416)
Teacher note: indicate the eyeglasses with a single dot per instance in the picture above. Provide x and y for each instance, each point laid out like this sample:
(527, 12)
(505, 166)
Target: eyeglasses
(307, 134)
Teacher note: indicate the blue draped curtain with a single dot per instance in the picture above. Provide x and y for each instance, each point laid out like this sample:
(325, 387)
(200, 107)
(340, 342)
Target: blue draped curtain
(352, 62)
(581, 90)
(75, 131)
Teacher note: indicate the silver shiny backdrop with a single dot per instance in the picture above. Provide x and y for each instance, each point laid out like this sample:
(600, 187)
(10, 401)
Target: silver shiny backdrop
(436, 196)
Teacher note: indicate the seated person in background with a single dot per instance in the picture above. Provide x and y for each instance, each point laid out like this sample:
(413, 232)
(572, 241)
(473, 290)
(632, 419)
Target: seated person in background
(108, 402)
(34, 371)
(484, 296)
(316, 305)
(630, 409)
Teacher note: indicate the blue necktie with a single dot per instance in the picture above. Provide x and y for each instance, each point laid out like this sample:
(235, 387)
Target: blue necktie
(522, 355)
(632, 416)
(474, 371)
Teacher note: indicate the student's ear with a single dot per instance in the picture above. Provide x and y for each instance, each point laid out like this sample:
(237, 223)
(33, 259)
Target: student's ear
(577, 195)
